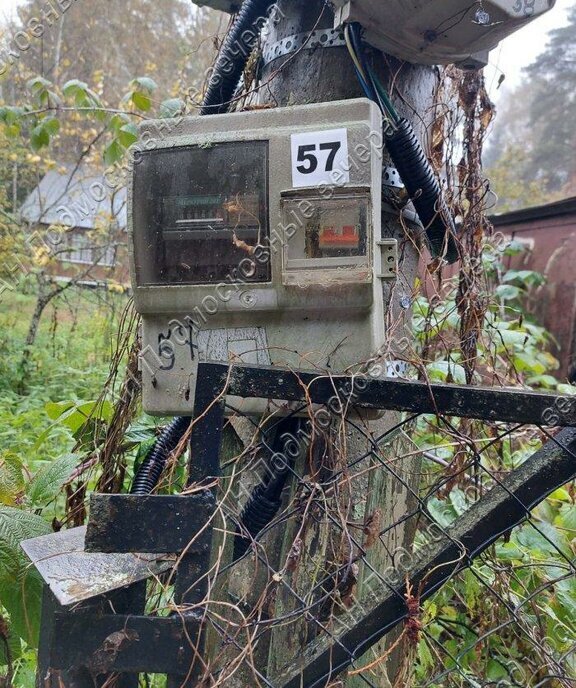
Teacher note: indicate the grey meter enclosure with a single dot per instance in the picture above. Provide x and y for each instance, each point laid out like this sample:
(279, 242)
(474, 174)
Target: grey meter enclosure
(256, 237)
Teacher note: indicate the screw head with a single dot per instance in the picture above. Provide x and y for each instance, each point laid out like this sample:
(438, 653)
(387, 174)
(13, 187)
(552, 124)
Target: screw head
(405, 302)
(482, 17)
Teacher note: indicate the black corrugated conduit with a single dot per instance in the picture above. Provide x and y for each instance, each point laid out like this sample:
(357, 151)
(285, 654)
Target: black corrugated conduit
(407, 155)
(153, 465)
(266, 498)
(234, 55)
(424, 190)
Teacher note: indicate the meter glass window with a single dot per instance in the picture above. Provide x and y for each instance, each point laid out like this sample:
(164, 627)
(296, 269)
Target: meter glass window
(201, 214)
(323, 233)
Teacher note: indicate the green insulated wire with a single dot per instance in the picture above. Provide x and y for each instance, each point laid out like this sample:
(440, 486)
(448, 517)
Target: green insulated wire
(386, 99)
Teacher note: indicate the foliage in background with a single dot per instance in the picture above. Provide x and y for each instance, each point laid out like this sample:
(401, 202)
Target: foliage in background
(48, 436)
(530, 158)
(529, 570)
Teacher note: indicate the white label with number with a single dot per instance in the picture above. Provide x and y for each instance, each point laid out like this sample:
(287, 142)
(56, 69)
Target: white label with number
(320, 157)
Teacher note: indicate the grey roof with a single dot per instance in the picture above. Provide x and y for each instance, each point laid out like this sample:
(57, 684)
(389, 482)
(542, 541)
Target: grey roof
(75, 198)
(567, 206)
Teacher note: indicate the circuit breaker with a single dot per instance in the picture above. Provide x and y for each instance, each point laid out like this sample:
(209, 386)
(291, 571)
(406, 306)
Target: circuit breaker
(255, 237)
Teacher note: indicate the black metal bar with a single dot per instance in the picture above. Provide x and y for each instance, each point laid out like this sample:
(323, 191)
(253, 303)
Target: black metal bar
(120, 643)
(206, 436)
(129, 523)
(505, 405)
(47, 676)
(191, 586)
(57, 667)
(500, 510)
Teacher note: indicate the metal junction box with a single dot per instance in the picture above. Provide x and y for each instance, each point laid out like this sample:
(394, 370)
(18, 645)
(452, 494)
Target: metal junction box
(439, 31)
(255, 237)
(431, 31)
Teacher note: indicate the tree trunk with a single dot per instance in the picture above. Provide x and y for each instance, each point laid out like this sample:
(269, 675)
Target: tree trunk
(370, 493)
(321, 75)
(43, 298)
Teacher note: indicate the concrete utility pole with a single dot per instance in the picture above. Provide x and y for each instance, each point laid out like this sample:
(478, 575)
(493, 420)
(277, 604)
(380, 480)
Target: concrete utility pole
(326, 74)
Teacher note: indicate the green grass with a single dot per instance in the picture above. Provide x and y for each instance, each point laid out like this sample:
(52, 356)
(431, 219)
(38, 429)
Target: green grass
(68, 362)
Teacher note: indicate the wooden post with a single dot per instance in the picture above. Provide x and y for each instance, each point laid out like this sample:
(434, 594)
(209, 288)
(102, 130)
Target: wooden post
(320, 75)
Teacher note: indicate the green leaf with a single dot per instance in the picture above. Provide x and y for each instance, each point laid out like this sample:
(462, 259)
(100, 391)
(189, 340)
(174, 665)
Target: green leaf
(508, 551)
(174, 107)
(144, 83)
(37, 84)
(52, 125)
(441, 371)
(524, 277)
(41, 91)
(73, 87)
(73, 416)
(127, 134)
(546, 381)
(22, 598)
(11, 114)
(13, 131)
(442, 512)
(118, 120)
(113, 153)
(528, 362)
(546, 540)
(15, 648)
(39, 138)
(11, 480)
(458, 501)
(511, 338)
(568, 520)
(48, 481)
(56, 409)
(566, 389)
(141, 101)
(82, 94)
(508, 292)
(17, 525)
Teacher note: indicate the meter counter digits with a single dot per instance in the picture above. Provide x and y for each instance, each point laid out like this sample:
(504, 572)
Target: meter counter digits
(256, 237)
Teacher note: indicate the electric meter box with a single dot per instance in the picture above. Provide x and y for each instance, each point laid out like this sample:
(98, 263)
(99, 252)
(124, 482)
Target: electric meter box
(255, 238)
(439, 31)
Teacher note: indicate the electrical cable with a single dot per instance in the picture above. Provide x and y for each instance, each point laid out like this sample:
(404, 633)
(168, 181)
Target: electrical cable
(234, 55)
(266, 498)
(357, 66)
(153, 465)
(408, 157)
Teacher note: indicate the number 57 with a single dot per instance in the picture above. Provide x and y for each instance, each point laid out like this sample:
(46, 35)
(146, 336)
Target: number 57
(307, 154)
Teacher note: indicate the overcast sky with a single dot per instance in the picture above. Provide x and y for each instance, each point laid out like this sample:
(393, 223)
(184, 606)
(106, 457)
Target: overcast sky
(514, 53)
